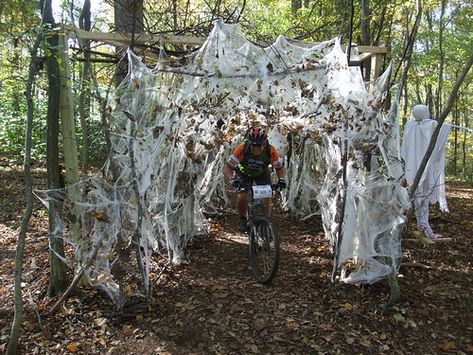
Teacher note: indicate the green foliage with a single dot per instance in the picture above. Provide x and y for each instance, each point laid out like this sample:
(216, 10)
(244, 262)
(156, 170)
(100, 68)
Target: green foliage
(423, 82)
(262, 20)
(17, 32)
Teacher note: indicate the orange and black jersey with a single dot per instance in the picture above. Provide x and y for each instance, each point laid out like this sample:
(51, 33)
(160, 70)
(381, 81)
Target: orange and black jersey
(254, 165)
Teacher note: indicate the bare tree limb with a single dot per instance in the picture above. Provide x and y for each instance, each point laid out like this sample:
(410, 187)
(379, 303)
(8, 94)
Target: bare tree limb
(20, 247)
(76, 279)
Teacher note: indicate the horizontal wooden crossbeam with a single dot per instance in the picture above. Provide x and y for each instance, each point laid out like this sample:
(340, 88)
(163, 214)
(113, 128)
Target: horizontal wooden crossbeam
(366, 53)
(123, 39)
(146, 38)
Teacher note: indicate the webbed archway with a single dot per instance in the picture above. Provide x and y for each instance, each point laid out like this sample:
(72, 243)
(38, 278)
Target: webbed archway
(173, 128)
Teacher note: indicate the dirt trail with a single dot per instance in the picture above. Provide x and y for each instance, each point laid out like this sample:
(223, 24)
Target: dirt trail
(213, 306)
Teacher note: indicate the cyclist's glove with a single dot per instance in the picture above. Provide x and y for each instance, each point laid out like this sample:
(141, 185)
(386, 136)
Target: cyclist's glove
(282, 184)
(236, 183)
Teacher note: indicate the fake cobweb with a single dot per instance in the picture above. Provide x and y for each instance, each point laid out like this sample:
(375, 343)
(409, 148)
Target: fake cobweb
(174, 127)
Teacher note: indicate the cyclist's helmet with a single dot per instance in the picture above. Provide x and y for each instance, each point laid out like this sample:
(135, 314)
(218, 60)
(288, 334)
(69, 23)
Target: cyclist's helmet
(257, 136)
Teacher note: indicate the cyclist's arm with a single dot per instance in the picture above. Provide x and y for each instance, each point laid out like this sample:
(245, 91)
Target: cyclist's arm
(228, 172)
(281, 172)
(277, 162)
(233, 161)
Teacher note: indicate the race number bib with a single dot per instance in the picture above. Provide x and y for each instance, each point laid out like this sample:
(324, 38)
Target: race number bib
(262, 191)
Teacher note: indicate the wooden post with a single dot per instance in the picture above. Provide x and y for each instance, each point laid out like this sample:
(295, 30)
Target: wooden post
(66, 106)
(71, 161)
(376, 63)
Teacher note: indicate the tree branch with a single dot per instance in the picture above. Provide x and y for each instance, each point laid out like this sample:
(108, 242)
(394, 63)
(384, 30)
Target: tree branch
(20, 247)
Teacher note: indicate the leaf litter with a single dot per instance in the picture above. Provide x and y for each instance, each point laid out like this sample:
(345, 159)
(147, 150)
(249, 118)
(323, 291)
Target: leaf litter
(214, 306)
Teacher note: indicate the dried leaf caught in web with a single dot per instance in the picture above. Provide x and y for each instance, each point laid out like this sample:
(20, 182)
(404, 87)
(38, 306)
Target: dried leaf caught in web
(252, 117)
(100, 216)
(128, 290)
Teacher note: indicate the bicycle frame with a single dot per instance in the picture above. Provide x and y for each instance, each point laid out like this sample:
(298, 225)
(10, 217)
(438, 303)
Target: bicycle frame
(263, 242)
(256, 202)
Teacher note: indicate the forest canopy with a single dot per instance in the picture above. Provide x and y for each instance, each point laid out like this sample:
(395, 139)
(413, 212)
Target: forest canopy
(440, 49)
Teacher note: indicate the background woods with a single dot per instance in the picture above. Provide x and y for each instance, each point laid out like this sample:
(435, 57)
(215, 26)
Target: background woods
(438, 54)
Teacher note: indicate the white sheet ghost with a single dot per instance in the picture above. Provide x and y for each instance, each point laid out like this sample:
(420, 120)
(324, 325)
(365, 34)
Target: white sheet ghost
(431, 189)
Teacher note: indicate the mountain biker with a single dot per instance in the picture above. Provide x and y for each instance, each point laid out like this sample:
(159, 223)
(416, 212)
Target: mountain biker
(248, 164)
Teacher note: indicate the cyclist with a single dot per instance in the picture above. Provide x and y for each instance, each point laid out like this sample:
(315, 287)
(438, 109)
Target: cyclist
(249, 164)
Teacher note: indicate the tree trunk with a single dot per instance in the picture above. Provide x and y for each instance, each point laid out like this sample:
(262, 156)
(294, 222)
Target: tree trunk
(380, 25)
(295, 5)
(464, 146)
(58, 281)
(365, 35)
(393, 283)
(20, 247)
(438, 98)
(455, 115)
(429, 97)
(418, 95)
(66, 106)
(68, 131)
(405, 105)
(84, 97)
(174, 15)
(406, 60)
(128, 19)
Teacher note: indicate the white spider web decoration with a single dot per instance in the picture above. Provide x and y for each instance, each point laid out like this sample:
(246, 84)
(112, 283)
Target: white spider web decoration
(174, 127)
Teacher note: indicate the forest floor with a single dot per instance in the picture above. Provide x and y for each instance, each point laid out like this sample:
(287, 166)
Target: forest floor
(213, 305)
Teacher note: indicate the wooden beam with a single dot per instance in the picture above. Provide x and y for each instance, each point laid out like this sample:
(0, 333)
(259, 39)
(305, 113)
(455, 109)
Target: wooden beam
(372, 49)
(144, 38)
(141, 38)
(361, 58)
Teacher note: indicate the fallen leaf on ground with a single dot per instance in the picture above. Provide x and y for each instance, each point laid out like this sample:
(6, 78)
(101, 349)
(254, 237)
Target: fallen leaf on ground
(325, 326)
(447, 346)
(72, 347)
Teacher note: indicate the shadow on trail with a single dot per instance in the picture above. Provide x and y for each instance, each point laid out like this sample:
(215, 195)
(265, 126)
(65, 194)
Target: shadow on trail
(217, 301)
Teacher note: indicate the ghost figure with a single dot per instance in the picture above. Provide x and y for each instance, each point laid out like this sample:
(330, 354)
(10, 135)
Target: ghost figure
(431, 189)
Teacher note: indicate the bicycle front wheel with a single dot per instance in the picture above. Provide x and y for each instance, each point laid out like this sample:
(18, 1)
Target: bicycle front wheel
(264, 251)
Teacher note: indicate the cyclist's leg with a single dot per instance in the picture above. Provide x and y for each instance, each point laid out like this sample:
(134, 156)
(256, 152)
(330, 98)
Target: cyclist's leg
(242, 204)
(265, 179)
(242, 201)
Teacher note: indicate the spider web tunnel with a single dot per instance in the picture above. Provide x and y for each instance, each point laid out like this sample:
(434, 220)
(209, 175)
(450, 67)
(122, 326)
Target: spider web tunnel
(174, 126)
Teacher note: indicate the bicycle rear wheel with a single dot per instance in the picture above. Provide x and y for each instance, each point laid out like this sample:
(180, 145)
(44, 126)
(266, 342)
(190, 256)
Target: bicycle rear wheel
(264, 251)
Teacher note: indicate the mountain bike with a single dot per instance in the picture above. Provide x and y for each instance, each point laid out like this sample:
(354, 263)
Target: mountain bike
(263, 241)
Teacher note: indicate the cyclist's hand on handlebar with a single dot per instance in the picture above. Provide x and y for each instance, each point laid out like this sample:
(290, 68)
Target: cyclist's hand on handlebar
(282, 184)
(236, 183)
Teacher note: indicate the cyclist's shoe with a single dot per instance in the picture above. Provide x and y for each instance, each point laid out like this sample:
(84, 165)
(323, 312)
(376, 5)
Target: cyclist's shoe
(242, 225)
